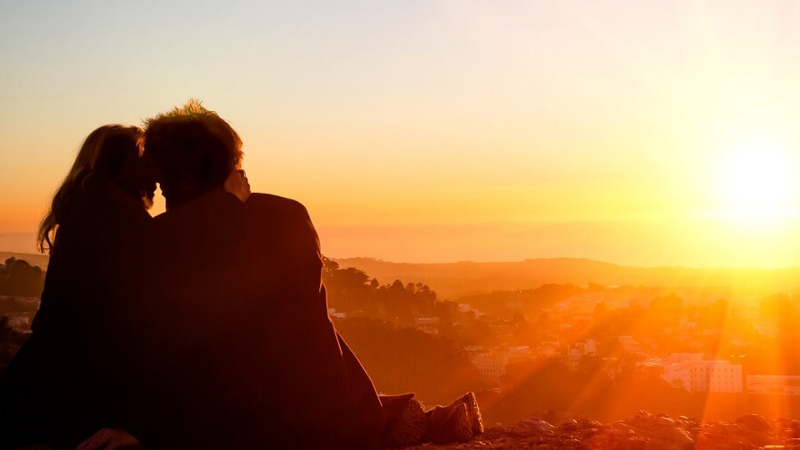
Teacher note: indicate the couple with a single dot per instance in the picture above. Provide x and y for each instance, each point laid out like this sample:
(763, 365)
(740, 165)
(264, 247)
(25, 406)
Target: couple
(205, 327)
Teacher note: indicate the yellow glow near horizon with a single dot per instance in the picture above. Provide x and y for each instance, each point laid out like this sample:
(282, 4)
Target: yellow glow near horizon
(643, 133)
(757, 181)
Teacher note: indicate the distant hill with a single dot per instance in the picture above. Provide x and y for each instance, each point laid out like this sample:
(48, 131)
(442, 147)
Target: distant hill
(452, 280)
(464, 278)
(32, 258)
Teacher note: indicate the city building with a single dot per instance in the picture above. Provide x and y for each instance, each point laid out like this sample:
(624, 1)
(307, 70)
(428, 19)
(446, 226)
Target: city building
(695, 374)
(773, 384)
(549, 348)
(577, 351)
(519, 353)
(630, 344)
(491, 364)
(332, 312)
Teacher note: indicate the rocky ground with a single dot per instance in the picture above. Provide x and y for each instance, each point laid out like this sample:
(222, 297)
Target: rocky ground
(644, 431)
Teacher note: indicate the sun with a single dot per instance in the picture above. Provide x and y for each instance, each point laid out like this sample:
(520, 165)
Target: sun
(757, 177)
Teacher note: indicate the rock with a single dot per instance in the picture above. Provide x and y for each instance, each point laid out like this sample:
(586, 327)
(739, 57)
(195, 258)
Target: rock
(670, 439)
(793, 443)
(532, 427)
(643, 431)
(715, 429)
(570, 425)
(589, 424)
(754, 422)
(666, 421)
(616, 439)
(622, 427)
(794, 426)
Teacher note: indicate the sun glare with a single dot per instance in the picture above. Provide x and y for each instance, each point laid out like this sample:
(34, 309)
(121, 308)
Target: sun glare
(758, 177)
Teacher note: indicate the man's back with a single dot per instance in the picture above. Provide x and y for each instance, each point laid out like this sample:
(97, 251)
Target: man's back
(252, 359)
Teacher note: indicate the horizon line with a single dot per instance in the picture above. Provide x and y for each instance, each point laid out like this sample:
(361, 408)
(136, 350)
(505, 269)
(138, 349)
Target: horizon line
(574, 258)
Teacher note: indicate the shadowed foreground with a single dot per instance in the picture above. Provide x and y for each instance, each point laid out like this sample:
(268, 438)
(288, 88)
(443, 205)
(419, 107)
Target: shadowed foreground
(644, 431)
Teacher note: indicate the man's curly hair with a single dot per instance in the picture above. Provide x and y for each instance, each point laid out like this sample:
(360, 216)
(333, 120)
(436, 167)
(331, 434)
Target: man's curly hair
(194, 148)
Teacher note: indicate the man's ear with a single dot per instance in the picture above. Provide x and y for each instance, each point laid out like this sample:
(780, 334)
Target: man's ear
(237, 184)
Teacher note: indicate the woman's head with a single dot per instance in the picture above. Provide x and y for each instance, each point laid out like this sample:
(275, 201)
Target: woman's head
(112, 152)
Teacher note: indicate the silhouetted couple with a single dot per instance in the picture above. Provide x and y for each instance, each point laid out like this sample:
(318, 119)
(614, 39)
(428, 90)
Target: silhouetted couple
(205, 327)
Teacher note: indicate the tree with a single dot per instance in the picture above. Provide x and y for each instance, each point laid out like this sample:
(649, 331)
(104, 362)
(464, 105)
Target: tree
(17, 277)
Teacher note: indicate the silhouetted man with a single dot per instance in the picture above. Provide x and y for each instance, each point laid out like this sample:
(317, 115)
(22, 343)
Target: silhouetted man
(244, 353)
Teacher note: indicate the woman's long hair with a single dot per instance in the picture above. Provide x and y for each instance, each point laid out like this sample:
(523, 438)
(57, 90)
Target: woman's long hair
(103, 153)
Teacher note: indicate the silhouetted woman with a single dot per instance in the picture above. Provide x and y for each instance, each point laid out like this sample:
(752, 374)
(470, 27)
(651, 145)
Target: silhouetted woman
(73, 376)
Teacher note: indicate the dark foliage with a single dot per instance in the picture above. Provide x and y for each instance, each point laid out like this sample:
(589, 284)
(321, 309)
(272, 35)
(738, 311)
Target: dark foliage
(19, 278)
(406, 360)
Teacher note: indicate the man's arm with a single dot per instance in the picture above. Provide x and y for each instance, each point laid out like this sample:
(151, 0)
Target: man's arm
(330, 395)
(110, 439)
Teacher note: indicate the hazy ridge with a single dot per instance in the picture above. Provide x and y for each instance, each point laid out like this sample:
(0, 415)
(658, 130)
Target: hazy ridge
(465, 278)
(456, 279)
(32, 258)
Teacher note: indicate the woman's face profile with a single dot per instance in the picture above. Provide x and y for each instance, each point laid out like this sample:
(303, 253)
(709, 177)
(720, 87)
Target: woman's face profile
(137, 176)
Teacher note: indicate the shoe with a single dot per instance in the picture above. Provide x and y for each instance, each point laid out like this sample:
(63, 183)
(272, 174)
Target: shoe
(409, 427)
(473, 412)
(449, 424)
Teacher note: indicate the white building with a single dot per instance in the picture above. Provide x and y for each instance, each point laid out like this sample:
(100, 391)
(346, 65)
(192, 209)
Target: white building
(19, 321)
(466, 307)
(578, 350)
(549, 348)
(491, 365)
(585, 348)
(773, 384)
(691, 372)
(519, 353)
(332, 312)
(630, 344)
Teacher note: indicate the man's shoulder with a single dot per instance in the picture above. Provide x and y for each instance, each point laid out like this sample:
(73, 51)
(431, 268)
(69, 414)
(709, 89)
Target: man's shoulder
(273, 201)
(275, 205)
(216, 204)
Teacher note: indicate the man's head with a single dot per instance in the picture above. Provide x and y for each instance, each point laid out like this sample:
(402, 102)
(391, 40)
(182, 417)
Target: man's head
(194, 149)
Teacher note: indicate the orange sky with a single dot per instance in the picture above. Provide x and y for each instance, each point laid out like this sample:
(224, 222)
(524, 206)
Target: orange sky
(444, 130)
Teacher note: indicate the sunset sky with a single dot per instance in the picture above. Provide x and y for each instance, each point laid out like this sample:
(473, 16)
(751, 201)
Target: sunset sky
(636, 132)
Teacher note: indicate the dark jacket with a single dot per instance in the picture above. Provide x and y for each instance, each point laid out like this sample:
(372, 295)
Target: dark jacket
(252, 359)
(71, 376)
